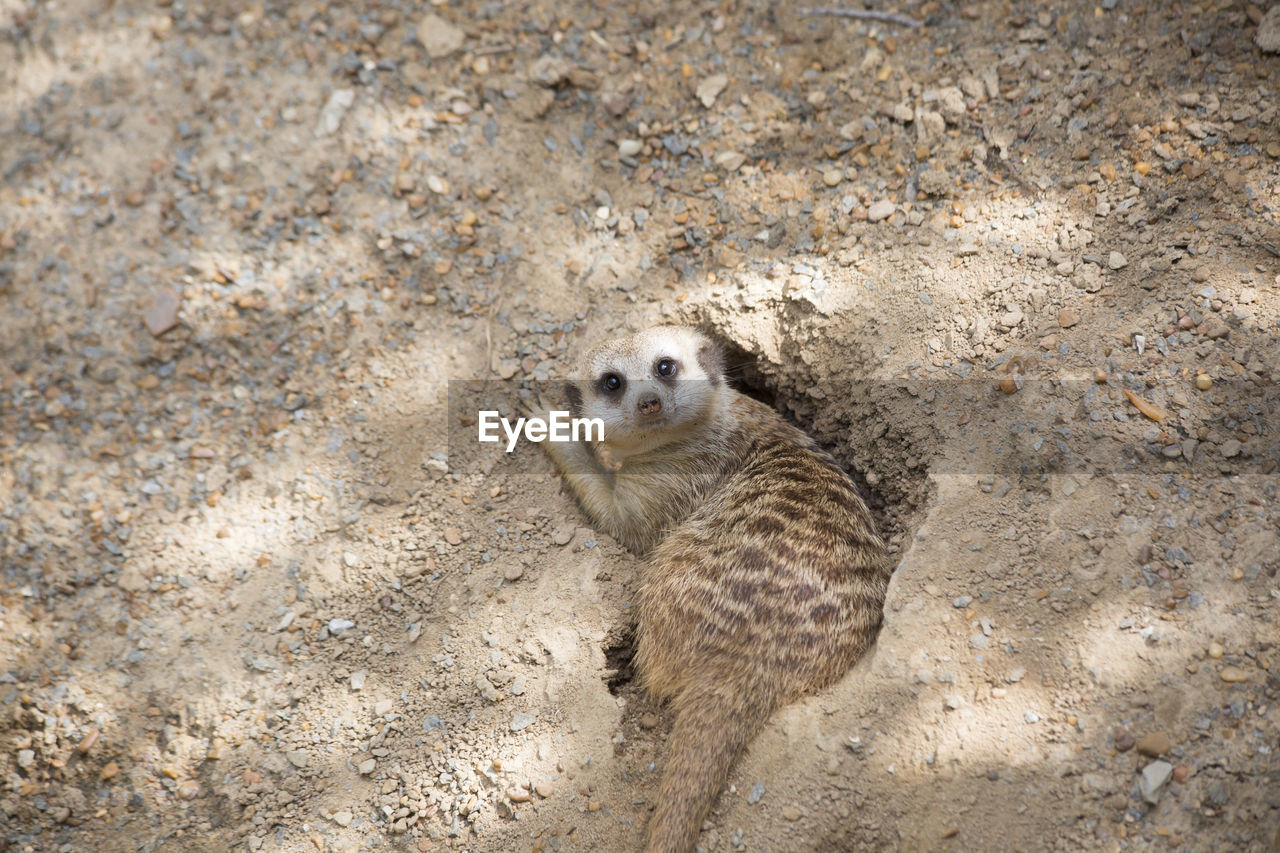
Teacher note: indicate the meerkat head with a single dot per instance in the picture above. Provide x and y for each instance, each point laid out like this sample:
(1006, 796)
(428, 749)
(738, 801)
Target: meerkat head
(648, 388)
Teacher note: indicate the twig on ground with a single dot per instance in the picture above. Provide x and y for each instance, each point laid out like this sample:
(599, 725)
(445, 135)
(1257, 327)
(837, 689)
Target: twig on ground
(994, 162)
(1247, 240)
(280, 341)
(865, 15)
(488, 340)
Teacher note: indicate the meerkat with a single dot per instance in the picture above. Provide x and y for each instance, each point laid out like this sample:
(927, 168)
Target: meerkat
(764, 577)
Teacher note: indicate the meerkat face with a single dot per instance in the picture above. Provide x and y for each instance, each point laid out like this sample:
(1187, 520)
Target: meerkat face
(647, 387)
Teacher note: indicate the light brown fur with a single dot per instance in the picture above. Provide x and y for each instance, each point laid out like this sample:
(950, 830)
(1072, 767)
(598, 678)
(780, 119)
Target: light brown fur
(764, 578)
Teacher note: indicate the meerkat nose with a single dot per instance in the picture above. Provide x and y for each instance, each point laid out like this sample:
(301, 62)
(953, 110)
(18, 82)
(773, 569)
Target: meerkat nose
(648, 404)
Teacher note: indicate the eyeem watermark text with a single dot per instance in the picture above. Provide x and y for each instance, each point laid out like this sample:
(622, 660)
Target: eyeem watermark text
(558, 426)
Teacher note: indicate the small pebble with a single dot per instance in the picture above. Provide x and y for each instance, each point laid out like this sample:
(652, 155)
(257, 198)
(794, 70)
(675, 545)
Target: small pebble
(1154, 744)
(730, 161)
(1268, 35)
(1233, 675)
(87, 742)
(710, 88)
(162, 312)
(1123, 740)
(1214, 327)
(1154, 777)
(880, 210)
(438, 37)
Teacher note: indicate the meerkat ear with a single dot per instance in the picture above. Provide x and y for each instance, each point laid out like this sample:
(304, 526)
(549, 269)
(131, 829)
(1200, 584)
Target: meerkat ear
(711, 360)
(574, 395)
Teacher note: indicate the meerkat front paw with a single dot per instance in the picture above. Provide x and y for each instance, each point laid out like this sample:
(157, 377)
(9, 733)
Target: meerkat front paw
(540, 406)
(536, 405)
(604, 455)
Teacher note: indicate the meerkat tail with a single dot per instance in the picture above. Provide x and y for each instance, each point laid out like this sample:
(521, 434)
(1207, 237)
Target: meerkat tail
(713, 725)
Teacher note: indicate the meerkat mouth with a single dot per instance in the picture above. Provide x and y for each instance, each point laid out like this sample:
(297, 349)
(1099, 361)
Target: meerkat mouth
(642, 432)
(644, 423)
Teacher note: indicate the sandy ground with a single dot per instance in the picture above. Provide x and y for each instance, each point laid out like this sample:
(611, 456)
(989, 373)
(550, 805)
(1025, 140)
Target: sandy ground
(261, 589)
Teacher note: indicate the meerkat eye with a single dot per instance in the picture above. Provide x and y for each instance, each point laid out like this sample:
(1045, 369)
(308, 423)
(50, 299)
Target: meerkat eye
(666, 367)
(611, 383)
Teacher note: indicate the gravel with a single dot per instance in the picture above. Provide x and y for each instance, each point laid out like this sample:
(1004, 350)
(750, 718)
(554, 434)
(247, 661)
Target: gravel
(244, 540)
